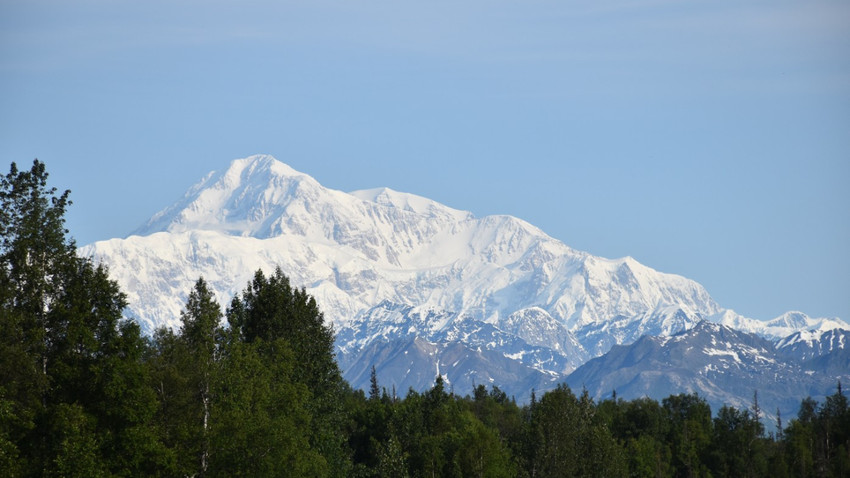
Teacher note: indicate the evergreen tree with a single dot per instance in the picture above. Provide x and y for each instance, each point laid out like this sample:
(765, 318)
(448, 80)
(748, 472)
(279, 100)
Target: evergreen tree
(374, 391)
(834, 431)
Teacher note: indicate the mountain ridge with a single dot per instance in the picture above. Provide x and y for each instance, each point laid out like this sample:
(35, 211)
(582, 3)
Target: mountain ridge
(495, 278)
(721, 364)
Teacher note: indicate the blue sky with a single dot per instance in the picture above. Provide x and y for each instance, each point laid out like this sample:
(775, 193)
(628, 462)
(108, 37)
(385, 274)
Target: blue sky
(708, 139)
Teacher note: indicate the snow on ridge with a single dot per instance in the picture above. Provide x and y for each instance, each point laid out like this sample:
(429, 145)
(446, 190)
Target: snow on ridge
(470, 261)
(352, 251)
(781, 327)
(230, 200)
(408, 202)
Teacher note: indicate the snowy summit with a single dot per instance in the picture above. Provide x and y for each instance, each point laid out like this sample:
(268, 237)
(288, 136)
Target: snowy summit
(386, 266)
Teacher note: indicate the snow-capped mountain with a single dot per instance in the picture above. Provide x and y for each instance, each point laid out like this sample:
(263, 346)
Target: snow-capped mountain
(810, 344)
(780, 327)
(394, 271)
(722, 365)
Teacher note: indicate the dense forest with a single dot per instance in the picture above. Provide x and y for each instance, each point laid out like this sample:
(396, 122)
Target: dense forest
(256, 391)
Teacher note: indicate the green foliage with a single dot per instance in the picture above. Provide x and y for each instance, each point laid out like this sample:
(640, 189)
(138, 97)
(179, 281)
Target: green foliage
(184, 368)
(689, 416)
(648, 457)
(262, 422)
(391, 460)
(642, 428)
(74, 384)
(74, 439)
(82, 393)
(271, 311)
(572, 441)
(737, 444)
(33, 254)
(818, 440)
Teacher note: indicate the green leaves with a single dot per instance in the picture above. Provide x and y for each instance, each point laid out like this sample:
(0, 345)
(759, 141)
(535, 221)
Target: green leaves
(572, 441)
(82, 393)
(76, 389)
(261, 422)
(272, 312)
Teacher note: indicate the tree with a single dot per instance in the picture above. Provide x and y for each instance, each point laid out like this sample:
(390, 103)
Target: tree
(70, 366)
(374, 391)
(641, 426)
(731, 442)
(184, 368)
(33, 251)
(572, 442)
(800, 439)
(270, 310)
(391, 460)
(263, 425)
(834, 434)
(33, 248)
(689, 418)
(199, 331)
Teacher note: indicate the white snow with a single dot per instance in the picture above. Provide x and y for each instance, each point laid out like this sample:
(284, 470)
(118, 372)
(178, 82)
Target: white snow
(728, 352)
(352, 251)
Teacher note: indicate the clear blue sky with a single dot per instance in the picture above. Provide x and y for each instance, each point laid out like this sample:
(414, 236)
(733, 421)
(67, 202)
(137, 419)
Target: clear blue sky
(709, 139)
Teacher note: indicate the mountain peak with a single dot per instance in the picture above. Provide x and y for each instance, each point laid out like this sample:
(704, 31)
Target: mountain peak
(262, 164)
(353, 250)
(241, 200)
(793, 319)
(494, 285)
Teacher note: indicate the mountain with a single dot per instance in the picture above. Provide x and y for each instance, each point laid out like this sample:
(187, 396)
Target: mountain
(814, 343)
(780, 327)
(410, 285)
(721, 364)
(520, 353)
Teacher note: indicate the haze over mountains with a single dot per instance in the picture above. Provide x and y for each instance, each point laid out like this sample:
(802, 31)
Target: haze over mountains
(418, 289)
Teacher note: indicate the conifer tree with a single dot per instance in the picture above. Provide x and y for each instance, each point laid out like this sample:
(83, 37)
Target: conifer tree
(374, 391)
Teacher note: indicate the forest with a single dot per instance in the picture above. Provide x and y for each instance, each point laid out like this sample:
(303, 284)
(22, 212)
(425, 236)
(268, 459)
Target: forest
(253, 389)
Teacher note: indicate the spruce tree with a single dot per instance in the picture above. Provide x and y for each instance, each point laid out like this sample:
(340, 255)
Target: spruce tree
(374, 391)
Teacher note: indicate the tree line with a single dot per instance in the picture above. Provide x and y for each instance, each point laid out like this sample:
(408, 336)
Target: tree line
(256, 391)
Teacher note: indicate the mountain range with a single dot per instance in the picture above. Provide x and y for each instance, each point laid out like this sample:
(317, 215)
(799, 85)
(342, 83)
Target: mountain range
(723, 365)
(418, 289)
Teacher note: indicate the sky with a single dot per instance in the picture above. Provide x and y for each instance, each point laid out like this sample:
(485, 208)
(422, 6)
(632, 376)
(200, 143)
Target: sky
(709, 139)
